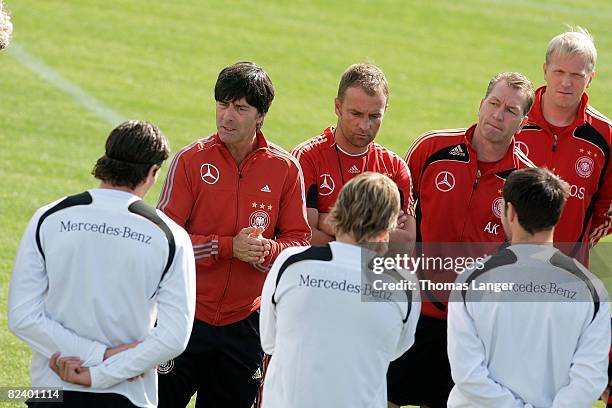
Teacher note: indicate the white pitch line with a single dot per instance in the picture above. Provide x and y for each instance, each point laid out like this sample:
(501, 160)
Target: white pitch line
(51, 76)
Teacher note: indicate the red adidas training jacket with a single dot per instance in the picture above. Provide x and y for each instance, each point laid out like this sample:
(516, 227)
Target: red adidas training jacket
(213, 198)
(580, 155)
(456, 202)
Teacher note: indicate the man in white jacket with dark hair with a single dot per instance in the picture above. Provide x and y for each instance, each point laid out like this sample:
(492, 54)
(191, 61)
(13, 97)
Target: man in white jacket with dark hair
(531, 328)
(105, 281)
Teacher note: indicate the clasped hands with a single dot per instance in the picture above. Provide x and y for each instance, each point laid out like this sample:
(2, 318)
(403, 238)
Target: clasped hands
(70, 369)
(250, 246)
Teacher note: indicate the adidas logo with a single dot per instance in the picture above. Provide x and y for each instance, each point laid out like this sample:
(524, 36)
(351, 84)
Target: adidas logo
(258, 374)
(457, 151)
(266, 189)
(354, 170)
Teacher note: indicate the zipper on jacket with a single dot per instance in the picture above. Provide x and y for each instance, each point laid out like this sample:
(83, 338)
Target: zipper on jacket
(554, 146)
(476, 180)
(469, 205)
(229, 273)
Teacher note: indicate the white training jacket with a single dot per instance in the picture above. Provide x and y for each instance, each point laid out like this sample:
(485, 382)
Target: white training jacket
(542, 343)
(97, 270)
(330, 334)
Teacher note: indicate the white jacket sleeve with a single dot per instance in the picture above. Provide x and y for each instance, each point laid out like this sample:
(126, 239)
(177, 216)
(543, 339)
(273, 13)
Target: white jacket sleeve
(588, 376)
(473, 386)
(27, 317)
(175, 313)
(407, 337)
(267, 315)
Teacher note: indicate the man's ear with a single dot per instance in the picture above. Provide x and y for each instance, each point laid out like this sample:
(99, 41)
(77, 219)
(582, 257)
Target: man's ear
(338, 106)
(154, 171)
(523, 122)
(591, 77)
(260, 120)
(511, 212)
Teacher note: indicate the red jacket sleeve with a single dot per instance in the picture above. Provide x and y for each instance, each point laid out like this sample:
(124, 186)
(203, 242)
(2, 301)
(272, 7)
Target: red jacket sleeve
(403, 180)
(310, 176)
(176, 201)
(292, 227)
(601, 224)
(415, 159)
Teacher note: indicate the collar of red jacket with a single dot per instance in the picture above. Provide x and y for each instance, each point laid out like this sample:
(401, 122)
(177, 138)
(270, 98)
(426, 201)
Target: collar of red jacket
(262, 143)
(508, 162)
(329, 132)
(537, 116)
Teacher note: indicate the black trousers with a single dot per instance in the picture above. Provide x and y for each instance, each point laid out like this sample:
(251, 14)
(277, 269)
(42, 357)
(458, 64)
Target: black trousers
(422, 376)
(77, 399)
(221, 363)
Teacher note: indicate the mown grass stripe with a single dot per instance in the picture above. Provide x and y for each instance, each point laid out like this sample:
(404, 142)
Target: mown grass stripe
(52, 77)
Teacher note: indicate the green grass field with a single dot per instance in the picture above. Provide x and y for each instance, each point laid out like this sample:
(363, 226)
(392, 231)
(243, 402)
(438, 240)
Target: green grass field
(158, 60)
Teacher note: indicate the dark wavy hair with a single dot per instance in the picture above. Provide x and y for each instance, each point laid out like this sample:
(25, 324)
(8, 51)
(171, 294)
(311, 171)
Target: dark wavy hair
(538, 196)
(245, 80)
(131, 149)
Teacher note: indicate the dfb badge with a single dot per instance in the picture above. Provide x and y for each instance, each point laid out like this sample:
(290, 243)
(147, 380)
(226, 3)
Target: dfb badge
(165, 367)
(585, 166)
(498, 207)
(259, 219)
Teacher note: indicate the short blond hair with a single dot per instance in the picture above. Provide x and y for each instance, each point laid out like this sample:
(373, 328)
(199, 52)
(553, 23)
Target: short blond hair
(6, 27)
(366, 76)
(368, 205)
(576, 41)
